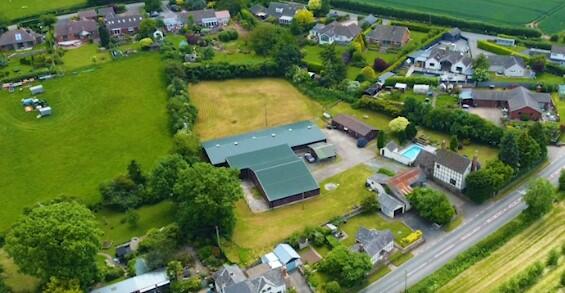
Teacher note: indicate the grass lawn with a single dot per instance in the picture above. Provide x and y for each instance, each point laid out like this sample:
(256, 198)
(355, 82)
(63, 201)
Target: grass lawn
(83, 56)
(543, 78)
(398, 258)
(238, 58)
(248, 104)
(100, 122)
(17, 281)
(373, 221)
(531, 245)
(258, 233)
(12, 9)
(380, 121)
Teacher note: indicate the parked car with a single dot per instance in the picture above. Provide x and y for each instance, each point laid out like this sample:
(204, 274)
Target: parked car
(465, 107)
(309, 158)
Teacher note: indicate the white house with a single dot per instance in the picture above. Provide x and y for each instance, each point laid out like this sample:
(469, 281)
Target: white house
(231, 279)
(208, 18)
(557, 54)
(335, 32)
(451, 168)
(376, 244)
(446, 60)
(510, 66)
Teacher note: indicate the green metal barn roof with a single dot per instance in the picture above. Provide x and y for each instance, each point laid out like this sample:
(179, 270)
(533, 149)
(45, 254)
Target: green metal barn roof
(295, 134)
(279, 171)
(323, 150)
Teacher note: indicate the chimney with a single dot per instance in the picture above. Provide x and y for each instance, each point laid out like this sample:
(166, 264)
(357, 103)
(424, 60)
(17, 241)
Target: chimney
(443, 145)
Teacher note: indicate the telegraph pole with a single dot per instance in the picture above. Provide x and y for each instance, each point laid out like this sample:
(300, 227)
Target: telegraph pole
(218, 236)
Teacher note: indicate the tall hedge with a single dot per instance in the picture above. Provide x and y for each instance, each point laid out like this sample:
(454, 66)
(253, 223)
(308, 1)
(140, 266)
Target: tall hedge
(437, 19)
(497, 49)
(412, 80)
(222, 71)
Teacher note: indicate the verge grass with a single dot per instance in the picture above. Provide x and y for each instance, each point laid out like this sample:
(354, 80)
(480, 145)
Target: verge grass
(101, 120)
(17, 281)
(14, 9)
(241, 105)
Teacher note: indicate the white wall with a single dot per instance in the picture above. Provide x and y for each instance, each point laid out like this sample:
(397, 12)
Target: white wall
(396, 156)
(433, 64)
(445, 175)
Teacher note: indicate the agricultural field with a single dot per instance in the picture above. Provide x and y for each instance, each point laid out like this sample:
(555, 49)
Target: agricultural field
(549, 13)
(531, 245)
(14, 9)
(100, 122)
(253, 232)
(248, 104)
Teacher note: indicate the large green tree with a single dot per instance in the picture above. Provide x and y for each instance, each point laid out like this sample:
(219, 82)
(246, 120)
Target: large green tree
(334, 70)
(432, 205)
(165, 175)
(346, 266)
(482, 184)
(539, 197)
(509, 150)
(541, 136)
(287, 55)
(57, 239)
(530, 151)
(234, 6)
(206, 197)
(104, 35)
(159, 245)
(187, 144)
(152, 5)
(266, 37)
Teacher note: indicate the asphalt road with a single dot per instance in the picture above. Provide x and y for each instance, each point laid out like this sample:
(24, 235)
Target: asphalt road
(483, 224)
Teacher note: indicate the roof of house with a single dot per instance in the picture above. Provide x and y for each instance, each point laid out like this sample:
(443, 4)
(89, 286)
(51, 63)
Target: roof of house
(278, 9)
(354, 124)
(517, 98)
(505, 61)
(18, 36)
(389, 202)
(71, 27)
(383, 77)
(370, 19)
(258, 9)
(556, 49)
(390, 33)
(295, 134)
(106, 11)
(199, 15)
(452, 160)
(123, 249)
(402, 183)
(373, 241)
(229, 275)
(87, 14)
(271, 278)
(443, 54)
(123, 21)
(338, 29)
(455, 32)
(140, 283)
(286, 253)
(223, 14)
(425, 159)
(323, 150)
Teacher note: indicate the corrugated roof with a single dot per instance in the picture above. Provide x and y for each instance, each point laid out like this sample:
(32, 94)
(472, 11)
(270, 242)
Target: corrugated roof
(286, 179)
(140, 283)
(286, 253)
(354, 124)
(323, 150)
(295, 134)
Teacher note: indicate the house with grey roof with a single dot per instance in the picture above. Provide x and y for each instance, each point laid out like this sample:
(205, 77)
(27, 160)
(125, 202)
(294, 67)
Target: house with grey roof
(231, 279)
(156, 281)
(369, 20)
(106, 12)
(208, 18)
(19, 39)
(67, 30)
(259, 11)
(122, 25)
(443, 59)
(376, 244)
(520, 102)
(511, 66)
(389, 36)
(283, 12)
(557, 54)
(335, 32)
(88, 14)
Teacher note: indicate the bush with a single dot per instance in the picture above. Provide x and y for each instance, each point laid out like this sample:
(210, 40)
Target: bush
(523, 280)
(370, 204)
(332, 287)
(228, 35)
(223, 71)
(497, 49)
(112, 273)
(413, 26)
(386, 171)
(553, 258)
(390, 108)
(411, 81)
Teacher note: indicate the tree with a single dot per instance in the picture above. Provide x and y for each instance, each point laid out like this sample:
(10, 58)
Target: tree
(553, 258)
(208, 53)
(509, 150)
(381, 140)
(56, 239)
(348, 267)
(454, 143)
(146, 43)
(380, 65)
(48, 20)
(398, 124)
(146, 28)
(314, 5)
(481, 62)
(234, 6)
(165, 175)
(121, 193)
(481, 75)
(104, 35)
(537, 63)
(266, 37)
(370, 204)
(368, 73)
(187, 144)
(302, 21)
(334, 70)
(62, 286)
(287, 55)
(539, 134)
(195, 4)
(432, 205)
(333, 287)
(3, 287)
(562, 180)
(174, 270)
(319, 7)
(132, 218)
(539, 197)
(482, 184)
(530, 151)
(152, 5)
(206, 197)
(411, 131)
(159, 245)
(135, 173)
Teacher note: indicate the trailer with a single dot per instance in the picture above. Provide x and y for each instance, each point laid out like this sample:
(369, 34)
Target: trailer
(35, 90)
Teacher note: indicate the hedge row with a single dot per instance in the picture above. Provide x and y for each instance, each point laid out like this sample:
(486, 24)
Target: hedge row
(443, 20)
(554, 69)
(471, 256)
(413, 26)
(497, 49)
(412, 80)
(390, 108)
(35, 74)
(524, 280)
(223, 71)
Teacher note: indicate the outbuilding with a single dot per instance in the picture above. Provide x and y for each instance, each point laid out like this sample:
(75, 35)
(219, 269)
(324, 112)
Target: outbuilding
(44, 111)
(323, 150)
(35, 90)
(401, 86)
(421, 89)
(354, 127)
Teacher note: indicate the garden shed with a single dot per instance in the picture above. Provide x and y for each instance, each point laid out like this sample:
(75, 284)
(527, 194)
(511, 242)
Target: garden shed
(421, 89)
(35, 90)
(44, 111)
(323, 150)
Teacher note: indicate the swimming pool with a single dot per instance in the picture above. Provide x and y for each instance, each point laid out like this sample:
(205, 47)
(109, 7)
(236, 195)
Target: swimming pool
(411, 152)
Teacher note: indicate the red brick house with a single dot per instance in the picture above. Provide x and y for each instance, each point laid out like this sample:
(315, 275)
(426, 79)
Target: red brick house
(19, 39)
(80, 30)
(522, 104)
(389, 36)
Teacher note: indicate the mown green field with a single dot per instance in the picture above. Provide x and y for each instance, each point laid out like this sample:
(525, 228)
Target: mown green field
(101, 120)
(14, 9)
(507, 12)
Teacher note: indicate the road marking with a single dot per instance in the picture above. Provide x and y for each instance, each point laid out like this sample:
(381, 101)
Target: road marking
(444, 250)
(417, 269)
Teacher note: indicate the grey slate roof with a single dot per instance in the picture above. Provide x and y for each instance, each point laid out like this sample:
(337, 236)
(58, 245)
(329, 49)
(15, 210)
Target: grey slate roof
(273, 278)
(258, 8)
(278, 9)
(425, 159)
(390, 33)
(70, 27)
(517, 98)
(106, 11)
(87, 14)
(18, 36)
(370, 19)
(199, 15)
(389, 202)
(505, 61)
(391, 146)
(229, 275)
(442, 54)
(123, 21)
(337, 29)
(373, 241)
(557, 49)
(452, 160)
(354, 124)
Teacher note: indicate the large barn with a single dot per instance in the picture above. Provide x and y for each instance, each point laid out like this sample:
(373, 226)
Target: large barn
(266, 157)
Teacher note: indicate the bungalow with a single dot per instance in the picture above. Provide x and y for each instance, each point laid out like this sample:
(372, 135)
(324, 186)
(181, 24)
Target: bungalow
(121, 25)
(335, 32)
(389, 36)
(520, 102)
(283, 12)
(446, 60)
(557, 54)
(19, 39)
(80, 30)
(207, 18)
(510, 66)
(447, 168)
(354, 127)
(376, 244)
(260, 279)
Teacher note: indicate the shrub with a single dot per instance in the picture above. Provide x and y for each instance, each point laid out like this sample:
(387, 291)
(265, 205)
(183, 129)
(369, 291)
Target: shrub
(228, 35)
(370, 204)
(497, 49)
(523, 280)
(390, 108)
(411, 81)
